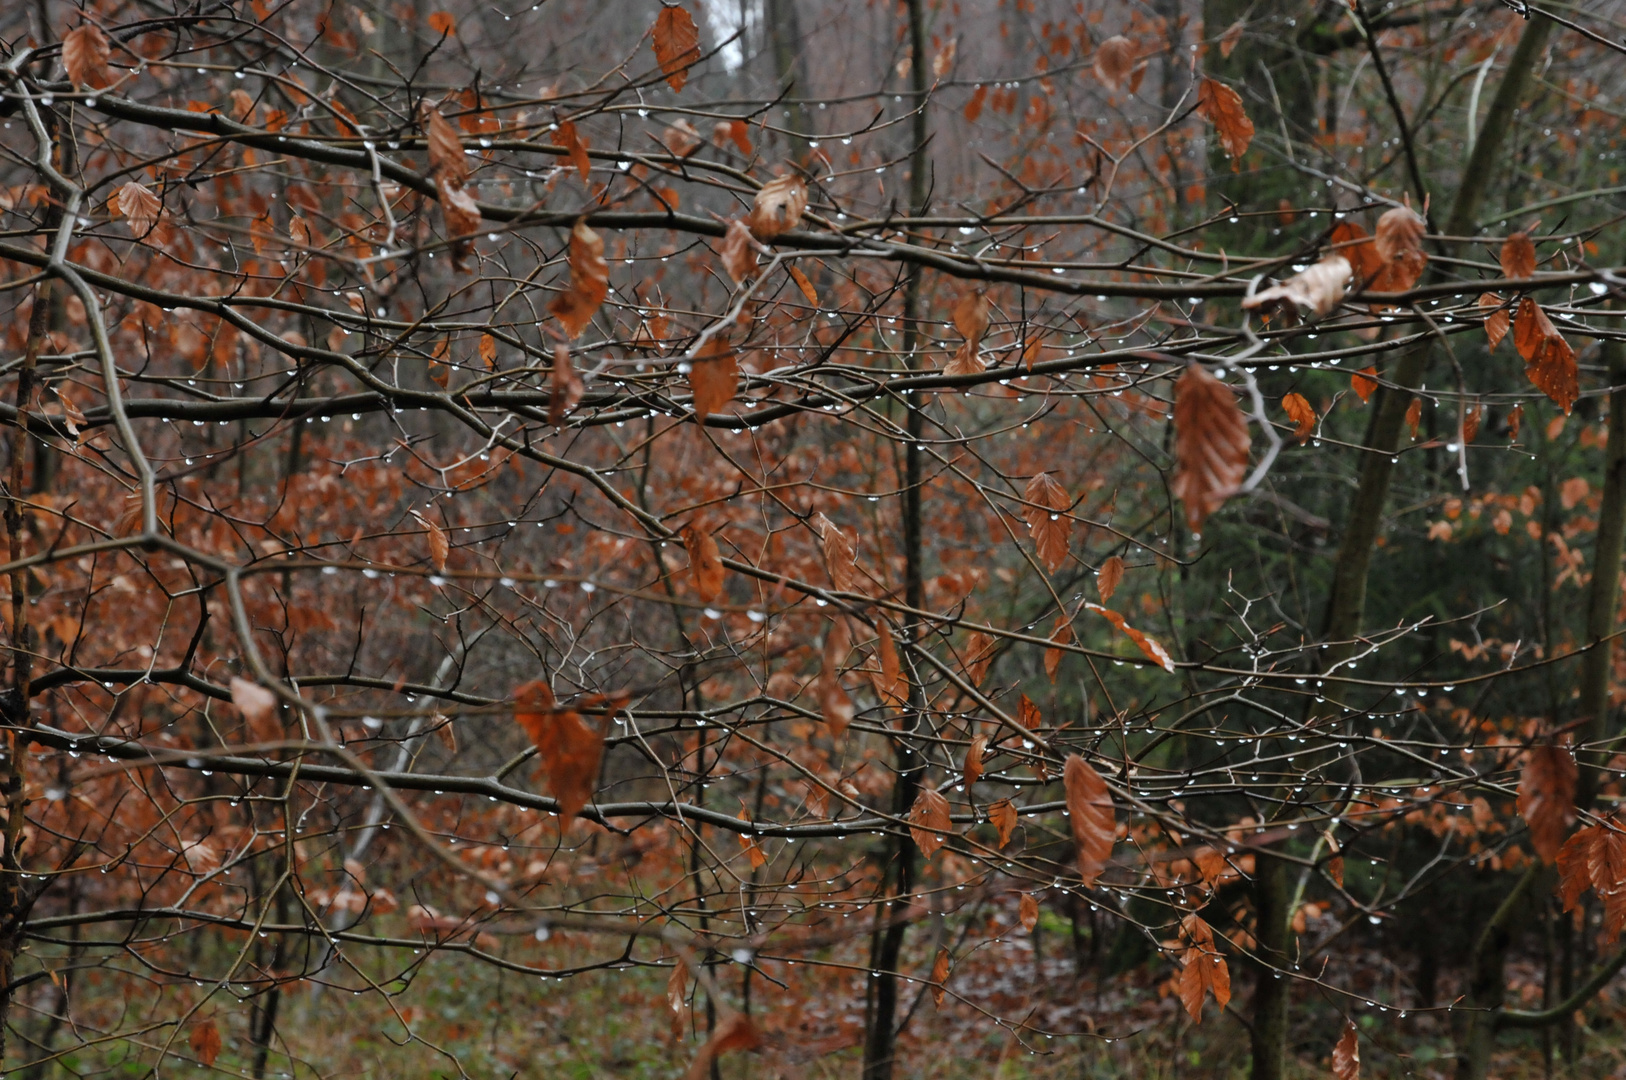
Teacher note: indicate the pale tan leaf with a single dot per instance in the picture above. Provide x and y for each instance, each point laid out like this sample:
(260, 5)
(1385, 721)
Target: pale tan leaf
(778, 207)
(738, 253)
(255, 702)
(140, 207)
(1316, 291)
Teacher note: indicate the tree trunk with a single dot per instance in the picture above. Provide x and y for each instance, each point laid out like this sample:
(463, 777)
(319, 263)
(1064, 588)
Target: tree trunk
(1271, 899)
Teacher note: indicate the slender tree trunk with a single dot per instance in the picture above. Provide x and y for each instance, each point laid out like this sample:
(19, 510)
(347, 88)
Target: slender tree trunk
(1485, 981)
(1604, 598)
(1271, 899)
(880, 1038)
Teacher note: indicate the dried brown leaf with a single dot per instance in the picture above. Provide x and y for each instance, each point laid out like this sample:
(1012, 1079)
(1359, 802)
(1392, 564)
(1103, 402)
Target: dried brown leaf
(1497, 320)
(714, 378)
(1302, 413)
(1114, 61)
(1108, 577)
(1547, 797)
(929, 822)
(1027, 912)
(1089, 811)
(446, 158)
(738, 253)
(140, 207)
(705, 563)
(1048, 523)
(255, 702)
(566, 390)
(567, 138)
(568, 750)
(1004, 818)
(778, 207)
(1346, 1055)
(840, 554)
(940, 974)
(1222, 107)
(1364, 382)
(85, 53)
(205, 1042)
(1316, 291)
(1518, 256)
(973, 760)
(589, 281)
(1147, 645)
(1210, 444)
(676, 44)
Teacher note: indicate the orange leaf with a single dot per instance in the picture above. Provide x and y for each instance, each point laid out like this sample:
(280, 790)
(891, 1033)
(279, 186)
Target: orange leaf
(1028, 912)
(940, 974)
(714, 378)
(979, 655)
(1350, 240)
(567, 748)
(446, 158)
(1204, 971)
(778, 207)
(840, 556)
(676, 44)
(1606, 866)
(738, 254)
(1515, 419)
(1547, 797)
(1027, 713)
(1108, 577)
(973, 106)
(1228, 40)
(589, 281)
(1089, 811)
(1003, 816)
(973, 759)
(574, 146)
(1518, 256)
(1414, 415)
(1497, 321)
(1061, 634)
(929, 822)
(734, 1031)
(439, 546)
(1114, 60)
(1554, 371)
(1364, 382)
(803, 284)
(441, 22)
(1210, 444)
(890, 685)
(705, 563)
(1047, 519)
(1301, 413)
(566, 391)
(488, 351)
(1222, 107)
(205, 1041)
(1154, 651)
(1575, 865)
(85, 52)
(1346, 1056)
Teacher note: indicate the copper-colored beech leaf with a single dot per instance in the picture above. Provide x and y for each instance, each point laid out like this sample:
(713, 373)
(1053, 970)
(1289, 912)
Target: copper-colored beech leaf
(85, 52)
(738, 253)
(1002, 815)
(1364, 382)
(1518, 256)
(1497, 319)
(681, 138)
(140, 207)
(488, 351)
(1399, 230)
(1028, 714)
(748, 844)
(1114, 60)
(568, 139)
(1228, 40)
(1547, 797)
(458, 207)
(1530, 327)
(1414, 415)
(1149, 646)
(439, 546)
(970, 318)
(929, 822)
(1203, 970)
(803, 284)
(589, 281)
(1089, 811)
(1222, 107)
(566, 390)
(1108, 577)
(1335, 864)
(1027, 912)
(714, 378)
(1210, 444)
(840, 554)
(778, 207)
(705, 563)
(1316, 291)
(676, 44)
(973, 759)
(1346, 1055)
(1048, 523)
(1515, 419)
(442, 22)
(940, 974)
(1470, 423)
(890, 684)
(834, 704)
(1549, 360)
(1061, 634)
(205, 1042)
(1302, 413)
(568, 750)
(979, 655)
(254, 701)
(1606, 867)
(734, 1031)
(1574, 869)
(446, 159)
(1350, 240)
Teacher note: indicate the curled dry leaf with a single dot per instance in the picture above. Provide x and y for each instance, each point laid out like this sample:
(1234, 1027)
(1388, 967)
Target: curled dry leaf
(1346, 1055)
(458, 207)
(566, 391)
(1210, 444)
(1547, 797)
(1027, 912)
(973, 759)
(1114, 61)
(1228, 40)
(676, 44)
(940, 974)
(705, 563)
(738, 253)
(734, 1031)
(840, 554)
(1497, 320)
(205, 1042)
(1089, 811)
(929, 822)
(1108, 577)
(1364, 382)
(778, 207)
(970, 317)
(254, 701)
(1518, 256)
(567, 748)
(979, 655)
(1002, 815)
(85, 52)
(488, 351)
(1203, 970)
(1399, 230)
(1028, 714)
(714, 378)
(1596, 856)
(140, 207)
(568, 139)
(1515, 419)
(439, 546)
(589, 281)
(1222, 107)
(803, 284)
(446, 158)
(1549, 360)
(1301, 413)
(1149, 646)
(1048, 523)
(1315, 291)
